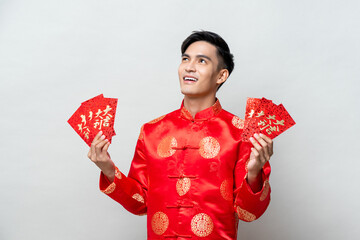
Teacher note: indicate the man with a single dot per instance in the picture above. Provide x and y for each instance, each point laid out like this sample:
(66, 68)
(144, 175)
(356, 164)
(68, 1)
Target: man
(191, 174)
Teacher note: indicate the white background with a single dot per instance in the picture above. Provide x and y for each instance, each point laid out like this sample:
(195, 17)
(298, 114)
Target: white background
(55, 54)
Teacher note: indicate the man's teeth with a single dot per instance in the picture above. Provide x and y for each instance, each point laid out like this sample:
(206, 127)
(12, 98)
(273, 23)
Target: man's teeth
(190, 79)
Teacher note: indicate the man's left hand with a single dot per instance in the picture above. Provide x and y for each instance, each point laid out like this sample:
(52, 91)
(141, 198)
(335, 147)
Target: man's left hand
(260, 154)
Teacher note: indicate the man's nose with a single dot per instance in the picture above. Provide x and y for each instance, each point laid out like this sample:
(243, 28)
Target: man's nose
(190, 67)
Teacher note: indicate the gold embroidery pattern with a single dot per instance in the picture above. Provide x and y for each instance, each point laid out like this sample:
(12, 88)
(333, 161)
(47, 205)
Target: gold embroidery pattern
(164, 149)
(159, 223)
(226, 190)
(110, 188)
(138, 198)
(185, 113)
(183, 186)
(202, 225)
(237, 122)
(156, 119)
(265, 191)
(209, 147)
(245, 215)
(117, 173)
(216, 107)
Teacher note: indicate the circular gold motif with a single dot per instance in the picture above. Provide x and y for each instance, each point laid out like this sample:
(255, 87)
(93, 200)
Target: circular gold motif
(159, 223)
(237, 122)
(156, 120)
(265, 191)
(226, 190)
(245, 215)
(138, 198)
(164, 148)
(202, 225)
(117, 173)
(110, 188)
(183, 186)
(209, 147)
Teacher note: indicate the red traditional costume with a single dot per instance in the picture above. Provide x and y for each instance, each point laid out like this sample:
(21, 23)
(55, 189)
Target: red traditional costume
(189, 176)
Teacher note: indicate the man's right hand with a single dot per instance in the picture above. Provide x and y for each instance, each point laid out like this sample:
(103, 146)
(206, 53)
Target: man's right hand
(99, 155)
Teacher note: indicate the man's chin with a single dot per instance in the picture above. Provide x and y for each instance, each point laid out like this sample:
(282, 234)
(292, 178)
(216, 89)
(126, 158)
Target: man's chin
(190, 94)
(187, 92)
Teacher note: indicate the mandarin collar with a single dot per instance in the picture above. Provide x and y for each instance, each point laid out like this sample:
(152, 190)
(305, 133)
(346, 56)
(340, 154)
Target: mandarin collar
(205, 114)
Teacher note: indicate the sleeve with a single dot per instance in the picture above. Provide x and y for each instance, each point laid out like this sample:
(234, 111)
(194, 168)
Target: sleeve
(130, 191)
(249, 205)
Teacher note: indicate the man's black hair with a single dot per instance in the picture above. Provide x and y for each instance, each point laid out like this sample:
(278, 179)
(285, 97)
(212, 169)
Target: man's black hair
(226, 59)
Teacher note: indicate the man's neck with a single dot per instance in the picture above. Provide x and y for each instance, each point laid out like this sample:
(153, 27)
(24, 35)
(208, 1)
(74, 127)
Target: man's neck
(196, 104)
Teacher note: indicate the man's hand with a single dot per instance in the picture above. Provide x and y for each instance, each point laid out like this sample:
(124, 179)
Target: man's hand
(260, 154)
(99, 155)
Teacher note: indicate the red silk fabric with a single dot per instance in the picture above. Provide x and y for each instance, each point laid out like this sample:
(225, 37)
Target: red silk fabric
(189, 176)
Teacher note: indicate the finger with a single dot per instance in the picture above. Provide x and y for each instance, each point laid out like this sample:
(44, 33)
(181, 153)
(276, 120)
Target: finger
(106, 147)
(93, 153)
(98, 135)
(100, 145)
(256, 153)
(255, 143)
(259, 150)
(89, 153)
(93, 146)
(264, 145)
(258, 156)
(270, 142)
(266, 138)
(95, 142)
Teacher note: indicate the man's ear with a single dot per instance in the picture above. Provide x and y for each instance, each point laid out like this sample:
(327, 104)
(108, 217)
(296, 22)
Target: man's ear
(223, 75)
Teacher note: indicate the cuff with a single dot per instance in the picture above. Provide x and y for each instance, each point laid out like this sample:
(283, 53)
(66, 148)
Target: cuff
(106, 186)
(246, 190)
(249, 205)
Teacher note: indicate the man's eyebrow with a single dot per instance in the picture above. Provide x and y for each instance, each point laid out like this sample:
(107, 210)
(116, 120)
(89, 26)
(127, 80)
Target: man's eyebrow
(198, 56)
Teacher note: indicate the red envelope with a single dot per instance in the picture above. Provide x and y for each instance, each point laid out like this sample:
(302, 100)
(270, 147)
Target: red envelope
(251, 105)
(269, 119)
(94, 99)
(94, 115)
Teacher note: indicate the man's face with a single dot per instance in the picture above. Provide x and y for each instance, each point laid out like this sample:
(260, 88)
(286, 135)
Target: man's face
(198, 70)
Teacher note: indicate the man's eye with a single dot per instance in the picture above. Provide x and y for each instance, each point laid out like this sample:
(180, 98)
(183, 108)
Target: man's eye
(202, 61)
(184, 59)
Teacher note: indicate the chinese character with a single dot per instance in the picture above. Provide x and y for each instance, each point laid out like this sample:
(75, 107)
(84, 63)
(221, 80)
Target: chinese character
(271, 129)
(90, 114)
(108, 109)
(83, 119)
(251, 113)
(98, 123)
(262, 123)
(104, 119)
(260, 114)
(279, 122)
(98, 112)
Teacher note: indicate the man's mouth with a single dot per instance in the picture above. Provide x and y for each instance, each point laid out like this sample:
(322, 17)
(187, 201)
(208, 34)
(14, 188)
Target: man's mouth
(190, 79)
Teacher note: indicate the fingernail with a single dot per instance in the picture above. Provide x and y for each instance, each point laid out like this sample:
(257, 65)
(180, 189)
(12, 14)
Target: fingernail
(256, 135)
(100, 132)
(252, 139)
(102, 137)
